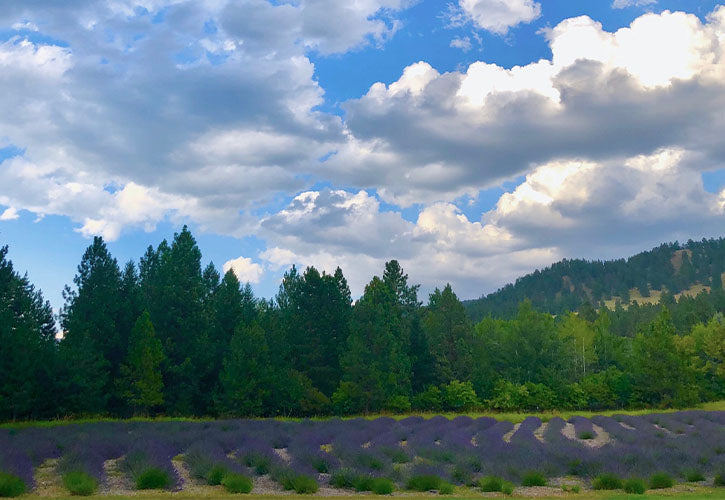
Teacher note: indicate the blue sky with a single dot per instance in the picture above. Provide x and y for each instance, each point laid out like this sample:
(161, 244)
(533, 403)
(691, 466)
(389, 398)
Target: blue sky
(397, 130)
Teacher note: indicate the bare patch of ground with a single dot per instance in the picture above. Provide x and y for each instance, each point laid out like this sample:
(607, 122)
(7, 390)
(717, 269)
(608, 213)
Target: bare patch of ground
(539, 433)
(507, 437)
(627, 426)
(538, 491)
(48, 482)
(116, 481)
(601, 437)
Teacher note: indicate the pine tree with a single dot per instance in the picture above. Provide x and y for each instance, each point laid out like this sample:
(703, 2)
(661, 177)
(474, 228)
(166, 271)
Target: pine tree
(245, 377)
(449, 332)
(92, 350)
(27, 348)
(142, 382)
(376, 366)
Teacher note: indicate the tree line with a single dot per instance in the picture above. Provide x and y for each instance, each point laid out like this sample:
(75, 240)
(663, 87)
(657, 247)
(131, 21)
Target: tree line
(166, 336)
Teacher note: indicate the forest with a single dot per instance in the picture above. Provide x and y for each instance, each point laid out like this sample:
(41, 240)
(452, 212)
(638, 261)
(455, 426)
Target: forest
(167, 336)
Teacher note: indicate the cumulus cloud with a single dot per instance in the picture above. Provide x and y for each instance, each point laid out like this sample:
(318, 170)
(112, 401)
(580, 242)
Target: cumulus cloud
(9, 213)
(623, 4)
(245, 269)
(655, 84)
(594, 209)
(498, 16)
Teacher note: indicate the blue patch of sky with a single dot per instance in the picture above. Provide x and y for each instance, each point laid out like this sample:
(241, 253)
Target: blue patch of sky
(10, 151)
(32, 36)
(714, 181)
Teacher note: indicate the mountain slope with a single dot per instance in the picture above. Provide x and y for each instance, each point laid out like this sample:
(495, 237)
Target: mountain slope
(568, 284)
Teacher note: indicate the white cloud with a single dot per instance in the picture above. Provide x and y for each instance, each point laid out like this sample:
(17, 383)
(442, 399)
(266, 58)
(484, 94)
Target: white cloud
(245, 269)
(657, 83)
(462, 43)
(498, 16)
(623, 4)
(9, 213)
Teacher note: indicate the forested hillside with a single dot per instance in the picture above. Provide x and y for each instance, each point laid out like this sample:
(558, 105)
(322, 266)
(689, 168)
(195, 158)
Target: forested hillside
(169, 336)
(569, 284)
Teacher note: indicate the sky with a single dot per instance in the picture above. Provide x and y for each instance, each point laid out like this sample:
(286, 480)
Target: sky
(473, 140)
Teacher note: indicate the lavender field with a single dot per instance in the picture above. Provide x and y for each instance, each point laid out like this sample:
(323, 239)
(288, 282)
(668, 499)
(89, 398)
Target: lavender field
(337, 455)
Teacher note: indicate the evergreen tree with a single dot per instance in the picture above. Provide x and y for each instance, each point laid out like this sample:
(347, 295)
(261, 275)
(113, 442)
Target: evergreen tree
(245, 377)
(376, 366)
(449, 332)
(27, 348)
(141, 381)
(92, 348)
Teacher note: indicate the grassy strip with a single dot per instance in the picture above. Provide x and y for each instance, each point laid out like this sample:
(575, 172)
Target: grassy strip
(700, 495)
(513, 417)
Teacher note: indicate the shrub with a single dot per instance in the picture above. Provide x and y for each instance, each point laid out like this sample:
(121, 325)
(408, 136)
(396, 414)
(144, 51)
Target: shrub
(370, 461)
(320, 465)
(586, 435)
(445, 489)
(382, 486)
(426, 482)
(459, 396)
(261, 463)
(431, 399)
(461, 475)
(490, 483)
(363, 483)
(507, 488)
(719, 479)
(79, 483)
(607, 482)
(216, 474)
(343, 478)
(534, 479)
(636, 486)
(237, 483)
(396, 455)
(661, 480)
(153, 479)
(304, 484)
(694, 476)
(398, 404)
(11, 486)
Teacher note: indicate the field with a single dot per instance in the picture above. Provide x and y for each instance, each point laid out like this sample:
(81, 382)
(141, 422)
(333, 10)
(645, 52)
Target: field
(415, 456)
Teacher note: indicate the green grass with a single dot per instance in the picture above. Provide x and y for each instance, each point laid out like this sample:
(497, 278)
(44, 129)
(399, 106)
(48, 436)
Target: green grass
(513, 417)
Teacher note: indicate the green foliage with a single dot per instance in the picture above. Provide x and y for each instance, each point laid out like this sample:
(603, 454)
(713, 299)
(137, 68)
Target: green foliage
(382, 486)
(446, 489)
(607, 481)
(141, 373)
(636, 486)
(570, 488)
(216, 474)
(459, 396)
(245, 376)
(300, 484)
(507, 488)
(79, 483)
(534, 478)
(448, 331)
(426, 482)
(694, 476)
(343, 478)
(11, 486)
(153, 478)
(586, 435)
(262, 464)
(719, 479)
(237, 483)
(398, 404)
(660, 481)
(430, 399)
(490, 483)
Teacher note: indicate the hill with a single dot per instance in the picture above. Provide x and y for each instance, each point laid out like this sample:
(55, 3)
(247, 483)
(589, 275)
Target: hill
(678, 269)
